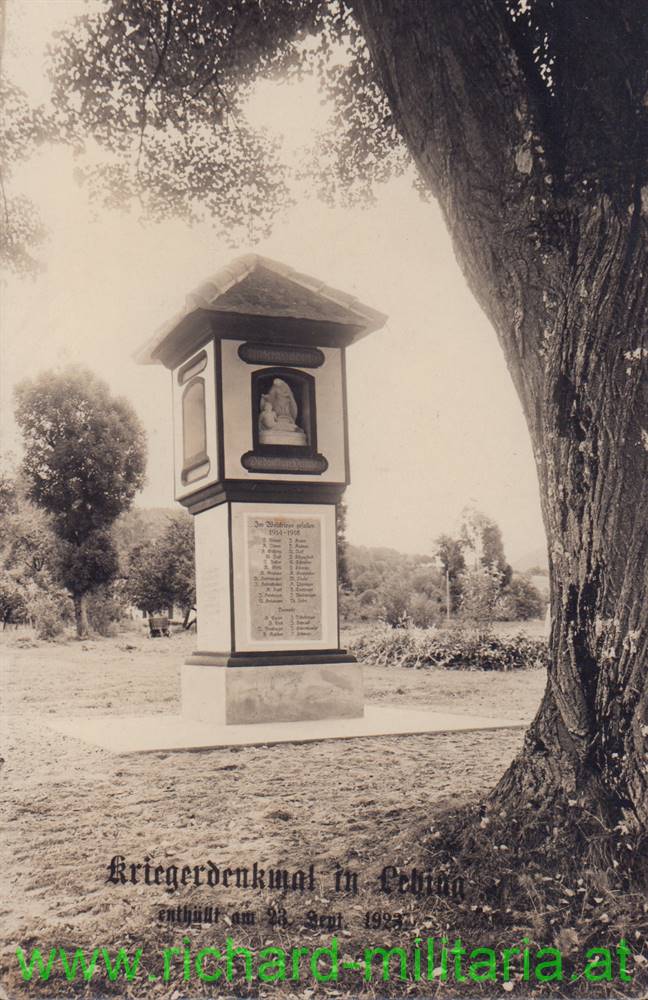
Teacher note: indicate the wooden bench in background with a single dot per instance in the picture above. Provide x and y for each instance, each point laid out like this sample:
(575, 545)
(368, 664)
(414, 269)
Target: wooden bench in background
(159, 625)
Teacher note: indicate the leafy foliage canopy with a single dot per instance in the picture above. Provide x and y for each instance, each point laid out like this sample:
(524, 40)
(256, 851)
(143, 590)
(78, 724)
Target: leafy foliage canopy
(161, 572)
(85, 451)
(163, 89)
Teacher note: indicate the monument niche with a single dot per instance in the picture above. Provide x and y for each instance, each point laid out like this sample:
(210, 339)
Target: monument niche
(257, 362)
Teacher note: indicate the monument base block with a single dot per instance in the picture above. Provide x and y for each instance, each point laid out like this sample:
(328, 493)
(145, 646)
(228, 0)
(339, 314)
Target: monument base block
(272, 693)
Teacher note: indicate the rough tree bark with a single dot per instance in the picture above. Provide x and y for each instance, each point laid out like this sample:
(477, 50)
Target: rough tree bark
(545, 193)
(81, 615)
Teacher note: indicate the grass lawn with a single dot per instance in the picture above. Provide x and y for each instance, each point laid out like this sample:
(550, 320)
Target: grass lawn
(362, 804)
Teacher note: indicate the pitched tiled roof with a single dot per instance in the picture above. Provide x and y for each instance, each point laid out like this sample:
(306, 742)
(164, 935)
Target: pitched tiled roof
(252, 285)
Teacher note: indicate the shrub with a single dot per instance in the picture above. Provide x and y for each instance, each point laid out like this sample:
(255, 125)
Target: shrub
(423, 610)
(455, 649)
(520, 600)
(395, 598)
(13, 603)
(49, 611)
(481, 588)
(104, 611)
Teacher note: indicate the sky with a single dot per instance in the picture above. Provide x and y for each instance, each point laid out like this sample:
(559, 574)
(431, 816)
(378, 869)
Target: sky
(435, 423)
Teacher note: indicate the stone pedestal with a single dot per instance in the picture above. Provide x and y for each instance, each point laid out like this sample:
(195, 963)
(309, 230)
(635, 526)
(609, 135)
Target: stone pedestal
(288, 693)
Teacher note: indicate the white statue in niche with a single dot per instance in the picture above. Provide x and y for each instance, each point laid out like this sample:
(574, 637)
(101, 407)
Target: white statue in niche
(277, 416)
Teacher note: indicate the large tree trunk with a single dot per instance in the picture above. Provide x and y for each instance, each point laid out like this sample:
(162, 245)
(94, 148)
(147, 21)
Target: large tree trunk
(588, 741)
(81, 615)
(553, 242)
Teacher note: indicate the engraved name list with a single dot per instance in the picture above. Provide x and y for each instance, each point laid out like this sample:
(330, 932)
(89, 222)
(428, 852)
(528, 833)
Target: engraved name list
(285, 571)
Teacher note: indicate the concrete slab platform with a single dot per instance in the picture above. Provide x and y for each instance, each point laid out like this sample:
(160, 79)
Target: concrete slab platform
(128, 734)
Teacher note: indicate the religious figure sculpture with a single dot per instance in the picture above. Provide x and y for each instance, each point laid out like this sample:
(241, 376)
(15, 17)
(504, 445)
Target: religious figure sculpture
(277, 416)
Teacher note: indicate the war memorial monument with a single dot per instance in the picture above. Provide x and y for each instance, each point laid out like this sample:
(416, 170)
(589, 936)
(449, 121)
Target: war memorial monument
(261, 459)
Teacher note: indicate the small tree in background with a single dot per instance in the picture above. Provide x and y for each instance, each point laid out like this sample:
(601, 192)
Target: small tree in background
(161, 573)
(179, 560)
(395, 599)
(449, 551)
(85, 454)
(481, 588)
(146, 584)
(521, 600)
(483, 537)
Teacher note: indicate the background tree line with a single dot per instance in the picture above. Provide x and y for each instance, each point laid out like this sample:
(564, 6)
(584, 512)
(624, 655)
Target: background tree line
(467, 576)
(71, 542)
(151, 567)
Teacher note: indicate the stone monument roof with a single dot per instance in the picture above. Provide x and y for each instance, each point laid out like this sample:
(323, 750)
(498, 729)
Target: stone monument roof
(258, 287)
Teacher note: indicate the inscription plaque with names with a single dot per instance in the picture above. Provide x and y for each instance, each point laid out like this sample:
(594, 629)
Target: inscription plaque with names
(285, 574)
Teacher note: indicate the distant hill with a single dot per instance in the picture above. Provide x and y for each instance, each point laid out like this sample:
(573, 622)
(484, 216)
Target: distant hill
(536, 557)
(364, 554)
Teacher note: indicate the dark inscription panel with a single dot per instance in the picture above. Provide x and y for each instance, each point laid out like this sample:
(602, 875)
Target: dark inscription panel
(281, 354)
(285, 572)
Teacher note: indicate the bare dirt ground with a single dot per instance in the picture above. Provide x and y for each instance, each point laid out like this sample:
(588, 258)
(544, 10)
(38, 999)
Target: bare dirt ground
(69, 808)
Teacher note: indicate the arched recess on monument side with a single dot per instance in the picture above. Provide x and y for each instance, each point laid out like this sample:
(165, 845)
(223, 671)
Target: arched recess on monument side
(195, 460)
